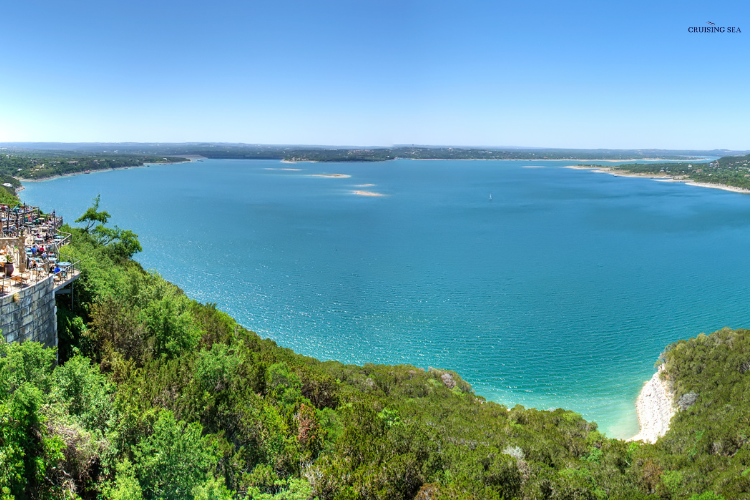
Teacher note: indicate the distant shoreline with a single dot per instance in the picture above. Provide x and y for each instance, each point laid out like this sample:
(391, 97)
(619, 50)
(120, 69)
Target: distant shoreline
(71, 174)
(660, 178)
(487, 159)
(538, 159)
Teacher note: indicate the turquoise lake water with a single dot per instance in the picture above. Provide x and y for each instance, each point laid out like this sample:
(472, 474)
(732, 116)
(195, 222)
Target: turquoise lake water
(559, 292)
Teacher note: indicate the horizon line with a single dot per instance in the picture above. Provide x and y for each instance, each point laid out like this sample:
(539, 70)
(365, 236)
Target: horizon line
(29, 144)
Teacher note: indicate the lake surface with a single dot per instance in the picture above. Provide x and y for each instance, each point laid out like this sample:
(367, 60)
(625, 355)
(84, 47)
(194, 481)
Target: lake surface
(561, 291)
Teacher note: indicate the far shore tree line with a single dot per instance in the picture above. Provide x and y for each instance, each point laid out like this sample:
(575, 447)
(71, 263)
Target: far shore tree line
(18, 164)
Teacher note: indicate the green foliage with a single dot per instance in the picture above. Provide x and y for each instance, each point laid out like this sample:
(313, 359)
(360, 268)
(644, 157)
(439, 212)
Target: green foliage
(174, 459)
(212, 489)
(215, 369)
(126, 485)
(122, 243)
(71, 332)
(167, 317)
(283, 384)
(709, 495)
(595, 455)
(84, 393)
(729, 170)
(26, 164)
(292, 489)
(709, 435)
(27, 452)
(673, 480)
(390, 417)
(93, 217)
(8, 198)
(26, 363)
(8, 194)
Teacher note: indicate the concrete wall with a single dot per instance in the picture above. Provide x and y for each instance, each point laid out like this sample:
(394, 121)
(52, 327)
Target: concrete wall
(29, 314)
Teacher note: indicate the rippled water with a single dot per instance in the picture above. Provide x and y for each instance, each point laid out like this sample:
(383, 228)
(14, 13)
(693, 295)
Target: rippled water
(559, 292)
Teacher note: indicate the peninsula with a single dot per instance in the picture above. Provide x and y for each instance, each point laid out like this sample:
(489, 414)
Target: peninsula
(21, 164)
(730, 172)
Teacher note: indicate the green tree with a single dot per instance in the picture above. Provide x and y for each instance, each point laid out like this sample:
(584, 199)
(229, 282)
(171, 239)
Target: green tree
(126, 485)
(26, 451)
(122, 242)
(92, 216)
(84, 392)
(27, 362)
(174, 459)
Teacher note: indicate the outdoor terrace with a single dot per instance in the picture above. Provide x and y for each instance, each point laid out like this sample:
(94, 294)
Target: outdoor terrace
(29, 250)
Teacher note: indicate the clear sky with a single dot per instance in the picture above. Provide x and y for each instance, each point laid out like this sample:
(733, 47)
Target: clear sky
(358, 72)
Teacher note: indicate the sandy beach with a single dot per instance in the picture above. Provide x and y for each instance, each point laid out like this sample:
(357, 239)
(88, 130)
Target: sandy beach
(659, 178)
(617, 173)
(723, 187)
(655, 408)
(367, 193)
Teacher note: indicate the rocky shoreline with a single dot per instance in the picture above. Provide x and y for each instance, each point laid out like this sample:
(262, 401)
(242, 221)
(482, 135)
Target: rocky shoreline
(655, 407)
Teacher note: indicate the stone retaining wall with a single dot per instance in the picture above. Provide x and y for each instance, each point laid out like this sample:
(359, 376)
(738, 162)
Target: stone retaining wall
(30, 314)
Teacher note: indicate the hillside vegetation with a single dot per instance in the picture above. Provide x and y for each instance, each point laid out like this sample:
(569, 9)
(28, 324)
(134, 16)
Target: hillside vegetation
(8, 195)
(42, 164)
(158, 396)
(729, 170)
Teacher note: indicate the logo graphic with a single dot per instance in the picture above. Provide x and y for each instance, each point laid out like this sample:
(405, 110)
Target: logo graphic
(712, 28)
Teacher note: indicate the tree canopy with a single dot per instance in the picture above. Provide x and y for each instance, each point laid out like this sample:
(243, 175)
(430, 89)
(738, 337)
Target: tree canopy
(123, 242)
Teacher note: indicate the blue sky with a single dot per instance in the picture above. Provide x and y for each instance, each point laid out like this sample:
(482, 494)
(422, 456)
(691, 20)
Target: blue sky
(547, 74)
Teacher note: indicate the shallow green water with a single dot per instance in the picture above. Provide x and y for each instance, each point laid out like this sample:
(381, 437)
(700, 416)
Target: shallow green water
(559, 292)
